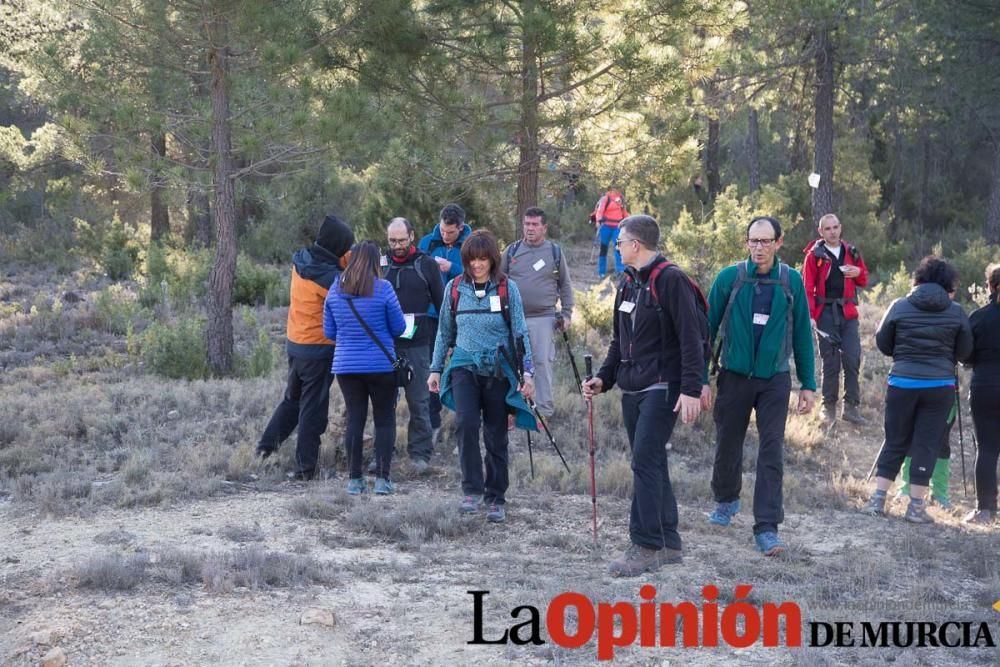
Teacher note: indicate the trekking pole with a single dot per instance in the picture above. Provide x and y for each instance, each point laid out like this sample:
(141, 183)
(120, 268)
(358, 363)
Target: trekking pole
(569, 349)
(534, 408)
(588, 362)
(875, 462)
(961, 435)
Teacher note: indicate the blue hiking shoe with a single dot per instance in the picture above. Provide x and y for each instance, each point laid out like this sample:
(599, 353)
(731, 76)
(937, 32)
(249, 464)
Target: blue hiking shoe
(724, 513)
(384, 487)
(496, 513)
(355, 487)
(769, 543)
(470, 504)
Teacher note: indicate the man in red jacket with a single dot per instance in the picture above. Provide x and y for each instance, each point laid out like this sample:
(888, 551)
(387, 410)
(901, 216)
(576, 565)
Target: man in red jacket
(833, 270)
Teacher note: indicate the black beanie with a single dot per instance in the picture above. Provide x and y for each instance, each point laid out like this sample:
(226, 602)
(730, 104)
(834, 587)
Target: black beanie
(335, 236)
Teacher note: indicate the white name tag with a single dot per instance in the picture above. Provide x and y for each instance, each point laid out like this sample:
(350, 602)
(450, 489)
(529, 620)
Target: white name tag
(627, 307)
(760, 318)
(537, 266)
(383, 261)
(411, 326)
(495, 303)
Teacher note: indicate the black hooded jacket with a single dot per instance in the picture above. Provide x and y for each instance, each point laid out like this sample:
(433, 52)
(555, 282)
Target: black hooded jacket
(925, 333)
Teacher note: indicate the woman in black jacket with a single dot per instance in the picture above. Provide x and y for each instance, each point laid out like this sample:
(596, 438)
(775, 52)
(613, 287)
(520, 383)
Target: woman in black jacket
(926, 334)
(985, 399)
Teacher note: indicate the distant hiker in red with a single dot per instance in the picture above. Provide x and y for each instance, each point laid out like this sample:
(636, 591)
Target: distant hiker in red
(833, 270)
(609, 211)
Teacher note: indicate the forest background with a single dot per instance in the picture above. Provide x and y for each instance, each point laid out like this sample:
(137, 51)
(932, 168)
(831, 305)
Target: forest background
(188, 144)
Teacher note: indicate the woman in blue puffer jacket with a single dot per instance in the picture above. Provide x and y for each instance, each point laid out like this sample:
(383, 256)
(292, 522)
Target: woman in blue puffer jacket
(363, 370)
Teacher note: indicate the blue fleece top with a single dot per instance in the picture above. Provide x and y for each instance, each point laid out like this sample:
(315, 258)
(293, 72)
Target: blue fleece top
(479, 333)
(451, 253)
(355, 351)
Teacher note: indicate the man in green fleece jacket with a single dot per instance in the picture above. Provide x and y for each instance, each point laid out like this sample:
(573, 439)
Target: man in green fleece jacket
(754, 353)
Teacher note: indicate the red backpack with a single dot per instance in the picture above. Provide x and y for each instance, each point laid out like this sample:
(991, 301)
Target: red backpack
(611, 208)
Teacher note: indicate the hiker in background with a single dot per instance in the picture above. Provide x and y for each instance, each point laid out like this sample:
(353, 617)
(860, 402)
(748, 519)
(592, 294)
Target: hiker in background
(658, 350)
(926, 334)
(985, 398)
(833, 270)
(310, 353)
(608, 212)
(363, 316)
(444, 245)
(482, 317)
(416, 279)
(758, 308)
(539, 268)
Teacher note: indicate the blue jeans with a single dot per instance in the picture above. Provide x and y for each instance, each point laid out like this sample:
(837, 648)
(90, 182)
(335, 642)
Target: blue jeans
(608, 235)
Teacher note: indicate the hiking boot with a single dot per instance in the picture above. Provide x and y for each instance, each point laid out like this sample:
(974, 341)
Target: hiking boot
(829, 412)
(384, 487)
(852, 414)
(769, 543)
(724, 513)
(419, 465)
(875, 505)
(916, 512)
(469, 505)
(355, 487)
(637, 560)
(496, 513)
(979, 517)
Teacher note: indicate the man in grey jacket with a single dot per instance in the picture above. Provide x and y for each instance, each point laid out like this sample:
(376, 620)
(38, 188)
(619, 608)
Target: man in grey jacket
(539, 268)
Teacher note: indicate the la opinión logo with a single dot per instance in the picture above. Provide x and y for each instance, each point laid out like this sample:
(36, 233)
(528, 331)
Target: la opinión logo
(571, 620)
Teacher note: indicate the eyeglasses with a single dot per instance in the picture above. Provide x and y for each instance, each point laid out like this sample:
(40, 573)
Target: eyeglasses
(399, 241)
(619, 242)
(760, 242)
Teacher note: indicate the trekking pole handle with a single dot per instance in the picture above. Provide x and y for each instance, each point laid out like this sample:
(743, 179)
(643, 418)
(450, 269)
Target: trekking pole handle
(588, 364)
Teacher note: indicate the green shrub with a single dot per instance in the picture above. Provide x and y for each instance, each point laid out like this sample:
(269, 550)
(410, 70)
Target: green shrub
(177, 349)
(256, 285)
(114, 309)
(595, 308)
(119, 250)
(261, 359)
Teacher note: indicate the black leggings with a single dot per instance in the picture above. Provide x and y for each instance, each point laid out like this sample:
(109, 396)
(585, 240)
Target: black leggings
(381, 388)
(916, 421)
(985, 403)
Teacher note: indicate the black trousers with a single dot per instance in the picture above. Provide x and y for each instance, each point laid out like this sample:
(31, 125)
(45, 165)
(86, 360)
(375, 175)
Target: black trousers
(358, 389)
(482, 400)
(916, 421)
(985, 403)
(306, 406)
(738, 396)
(845, 353)
(649, 420)
(434, 402)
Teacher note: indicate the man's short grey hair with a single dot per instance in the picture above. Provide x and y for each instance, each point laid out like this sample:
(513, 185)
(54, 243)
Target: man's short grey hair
(643, 228)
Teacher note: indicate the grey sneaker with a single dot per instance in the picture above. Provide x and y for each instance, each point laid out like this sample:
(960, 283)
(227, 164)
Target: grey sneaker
(419, 465)
(496, 513)
(876, 504)
(384, 487)
(469, 505)
(355, 487)
(637, 560)
(979, 517)
(852, 414)
(916, 512)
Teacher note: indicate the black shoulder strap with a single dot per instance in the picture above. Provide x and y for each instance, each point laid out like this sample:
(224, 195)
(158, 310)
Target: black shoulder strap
(371, 334)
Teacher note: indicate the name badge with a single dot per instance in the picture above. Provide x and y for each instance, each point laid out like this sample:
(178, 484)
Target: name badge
(537, 266)
(383, 261)
(627, 306)
(495, 303)
(760, 318)
(411, 326)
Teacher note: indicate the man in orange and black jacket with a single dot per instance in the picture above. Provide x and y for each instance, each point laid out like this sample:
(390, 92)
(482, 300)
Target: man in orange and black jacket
(310, 353)
(832, 271)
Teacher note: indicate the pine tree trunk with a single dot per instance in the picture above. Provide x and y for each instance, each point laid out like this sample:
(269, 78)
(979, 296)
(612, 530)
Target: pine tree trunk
(159, 214)
(822, 197)
(712, 160)
(220, 281)
(753, 150)
(993, 212)
(527, 172)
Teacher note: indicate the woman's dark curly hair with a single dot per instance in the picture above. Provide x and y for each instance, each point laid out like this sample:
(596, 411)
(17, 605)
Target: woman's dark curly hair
(935, 270)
